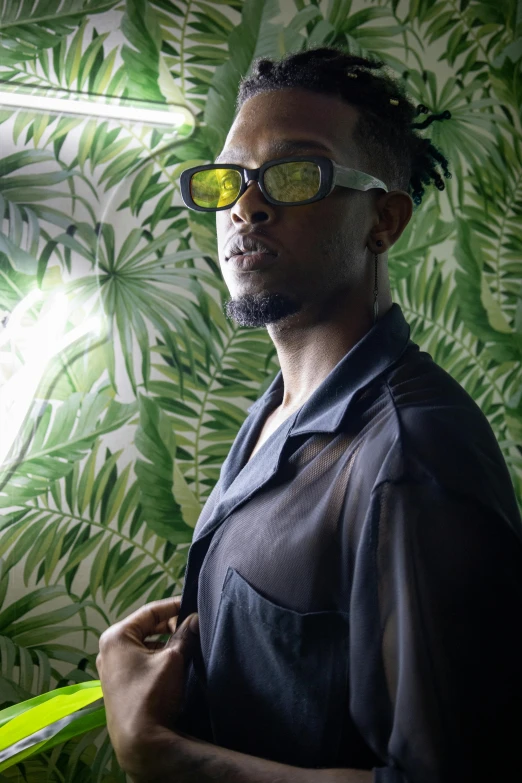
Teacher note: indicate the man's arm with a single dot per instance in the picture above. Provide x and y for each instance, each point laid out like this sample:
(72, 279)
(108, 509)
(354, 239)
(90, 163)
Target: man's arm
(186, 759)
(436, 635)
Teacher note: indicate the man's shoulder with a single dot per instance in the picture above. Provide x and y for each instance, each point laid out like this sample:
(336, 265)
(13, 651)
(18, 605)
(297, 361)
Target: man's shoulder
(434, 430)
(417, 380)
(414, 396)
(432, 406)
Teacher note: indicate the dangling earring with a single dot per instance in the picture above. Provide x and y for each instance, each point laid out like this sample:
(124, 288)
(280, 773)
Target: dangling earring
(376, 289)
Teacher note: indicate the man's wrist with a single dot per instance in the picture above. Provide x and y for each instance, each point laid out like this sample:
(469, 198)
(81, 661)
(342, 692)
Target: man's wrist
(151, 758)
(170, 757)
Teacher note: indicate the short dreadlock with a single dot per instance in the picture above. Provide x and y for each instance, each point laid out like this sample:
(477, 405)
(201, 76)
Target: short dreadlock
(384, 133)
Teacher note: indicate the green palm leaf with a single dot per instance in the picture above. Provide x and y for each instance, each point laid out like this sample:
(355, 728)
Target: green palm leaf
(26, 657)
(75, 734)
(248, 40)
(24, 671)
(19, 245)
(140, 27)
(14, 286)
(140, 286)
(470, 136)
(47, 720)
(28, 27)
(462, 23)
(481, 313)
(47, 449)
(361, 36)
(98, 525)
(495, 193)
(20, 198)
(170, 508)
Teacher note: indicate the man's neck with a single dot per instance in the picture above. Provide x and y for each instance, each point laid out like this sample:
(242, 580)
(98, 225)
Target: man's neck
(308, 353)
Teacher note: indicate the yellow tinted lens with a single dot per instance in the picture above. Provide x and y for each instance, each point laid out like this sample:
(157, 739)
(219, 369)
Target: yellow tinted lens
(215, 187)
(296, 181)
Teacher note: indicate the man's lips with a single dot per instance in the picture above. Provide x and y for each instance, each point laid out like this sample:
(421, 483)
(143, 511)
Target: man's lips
(253, 261)
(249, 243)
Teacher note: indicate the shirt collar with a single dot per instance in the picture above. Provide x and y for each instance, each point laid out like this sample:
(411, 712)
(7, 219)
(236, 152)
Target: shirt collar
(380, 347)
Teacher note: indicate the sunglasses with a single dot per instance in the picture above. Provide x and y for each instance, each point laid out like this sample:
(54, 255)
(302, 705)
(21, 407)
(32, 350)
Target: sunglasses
(286, 181)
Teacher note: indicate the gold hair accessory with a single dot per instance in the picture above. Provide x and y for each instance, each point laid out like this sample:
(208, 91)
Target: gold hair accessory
(394, 101)
(352, 75)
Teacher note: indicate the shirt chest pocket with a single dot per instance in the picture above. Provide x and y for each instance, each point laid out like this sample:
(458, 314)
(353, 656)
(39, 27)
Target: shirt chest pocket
(277, 679)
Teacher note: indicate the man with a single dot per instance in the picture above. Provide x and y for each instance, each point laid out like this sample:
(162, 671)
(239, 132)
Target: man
(357, 570)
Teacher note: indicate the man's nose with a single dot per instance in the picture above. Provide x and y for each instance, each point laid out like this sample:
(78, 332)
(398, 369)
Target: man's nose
(250, 204)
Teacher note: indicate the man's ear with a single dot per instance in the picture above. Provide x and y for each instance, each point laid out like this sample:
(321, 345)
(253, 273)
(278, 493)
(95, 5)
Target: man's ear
(395, 210)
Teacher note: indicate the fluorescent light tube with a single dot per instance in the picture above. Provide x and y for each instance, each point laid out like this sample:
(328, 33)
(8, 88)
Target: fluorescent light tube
(167, 118)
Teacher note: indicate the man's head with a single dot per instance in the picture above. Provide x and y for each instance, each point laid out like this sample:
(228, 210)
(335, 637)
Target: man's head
(325, 249)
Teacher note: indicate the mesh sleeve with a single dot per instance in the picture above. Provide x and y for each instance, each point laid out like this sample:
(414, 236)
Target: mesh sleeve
(436, 629)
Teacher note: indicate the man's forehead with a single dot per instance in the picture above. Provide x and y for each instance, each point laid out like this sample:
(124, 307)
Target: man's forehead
(274, 147)
(290, 122)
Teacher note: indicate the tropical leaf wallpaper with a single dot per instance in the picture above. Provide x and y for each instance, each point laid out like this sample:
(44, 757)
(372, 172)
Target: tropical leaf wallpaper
(122, 383)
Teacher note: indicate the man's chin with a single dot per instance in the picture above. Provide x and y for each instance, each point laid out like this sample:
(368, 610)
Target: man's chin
(257, 310)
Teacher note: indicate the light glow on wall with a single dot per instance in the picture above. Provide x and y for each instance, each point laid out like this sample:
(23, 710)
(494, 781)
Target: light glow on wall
(38, 344)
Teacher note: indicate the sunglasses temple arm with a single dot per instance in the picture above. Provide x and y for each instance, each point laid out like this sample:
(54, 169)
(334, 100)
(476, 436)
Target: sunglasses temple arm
(352, 178)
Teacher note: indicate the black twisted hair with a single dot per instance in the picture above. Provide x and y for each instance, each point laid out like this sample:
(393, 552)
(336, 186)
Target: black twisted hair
(385, 133)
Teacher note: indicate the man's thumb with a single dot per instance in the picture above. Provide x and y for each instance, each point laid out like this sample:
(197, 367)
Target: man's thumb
(188, 630)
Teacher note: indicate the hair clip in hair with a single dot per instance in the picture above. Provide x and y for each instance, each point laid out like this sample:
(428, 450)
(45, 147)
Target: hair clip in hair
(394, 101)
(352, 75)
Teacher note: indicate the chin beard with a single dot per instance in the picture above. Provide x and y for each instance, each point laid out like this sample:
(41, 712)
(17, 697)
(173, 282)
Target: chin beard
(260, 309)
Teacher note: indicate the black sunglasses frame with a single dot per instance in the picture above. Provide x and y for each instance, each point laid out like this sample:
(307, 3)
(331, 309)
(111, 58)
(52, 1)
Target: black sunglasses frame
(331, 174)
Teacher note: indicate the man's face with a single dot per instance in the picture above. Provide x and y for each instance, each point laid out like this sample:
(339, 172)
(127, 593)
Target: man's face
(322, 247)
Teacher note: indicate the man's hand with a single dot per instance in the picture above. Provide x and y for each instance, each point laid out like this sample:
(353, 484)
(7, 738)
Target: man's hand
(142, 684)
